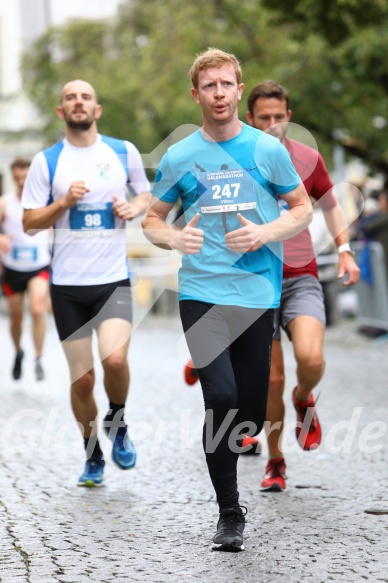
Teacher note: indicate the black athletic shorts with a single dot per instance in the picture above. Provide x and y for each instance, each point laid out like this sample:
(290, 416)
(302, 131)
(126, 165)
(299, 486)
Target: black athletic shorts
(14, 282)
(78, 309)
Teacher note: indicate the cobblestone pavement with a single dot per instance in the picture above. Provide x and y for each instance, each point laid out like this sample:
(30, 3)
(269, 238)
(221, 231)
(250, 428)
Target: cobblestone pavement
(154, 523)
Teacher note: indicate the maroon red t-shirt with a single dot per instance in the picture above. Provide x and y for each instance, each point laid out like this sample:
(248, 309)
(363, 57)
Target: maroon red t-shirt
(299, 257)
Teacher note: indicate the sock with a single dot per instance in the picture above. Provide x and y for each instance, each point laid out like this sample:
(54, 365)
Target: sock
(116, 412)
(92, 447)
(235, 506)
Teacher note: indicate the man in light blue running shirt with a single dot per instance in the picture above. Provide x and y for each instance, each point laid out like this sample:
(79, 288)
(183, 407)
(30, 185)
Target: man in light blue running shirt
(228, 177)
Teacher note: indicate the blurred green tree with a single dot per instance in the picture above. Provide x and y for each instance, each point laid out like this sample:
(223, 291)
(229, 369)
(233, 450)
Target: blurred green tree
(351, 95)
(329, 55)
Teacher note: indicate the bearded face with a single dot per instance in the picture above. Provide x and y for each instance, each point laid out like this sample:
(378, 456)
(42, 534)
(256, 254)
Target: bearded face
(79, 108)
(271, 116)
(79, 119)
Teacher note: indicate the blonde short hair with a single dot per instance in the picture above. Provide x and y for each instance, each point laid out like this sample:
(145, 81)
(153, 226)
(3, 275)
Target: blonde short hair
(213, 58)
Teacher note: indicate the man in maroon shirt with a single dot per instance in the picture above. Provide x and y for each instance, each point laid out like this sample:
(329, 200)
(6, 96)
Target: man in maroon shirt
(302, 313)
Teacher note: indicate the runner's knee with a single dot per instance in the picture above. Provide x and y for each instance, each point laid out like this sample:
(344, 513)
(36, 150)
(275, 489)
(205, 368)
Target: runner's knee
(313, 363)
(37, 310)
(83, 386)
(221, 400)
(16, 320)
(114, 363)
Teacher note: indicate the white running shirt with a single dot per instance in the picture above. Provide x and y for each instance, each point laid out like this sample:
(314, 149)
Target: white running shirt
(27, 253)
(89, 245)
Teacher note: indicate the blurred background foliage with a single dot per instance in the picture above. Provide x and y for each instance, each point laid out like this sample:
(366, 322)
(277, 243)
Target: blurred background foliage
(330, 55)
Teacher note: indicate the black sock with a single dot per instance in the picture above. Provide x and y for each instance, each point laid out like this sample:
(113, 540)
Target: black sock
(229, 507)
(115, 413)
(92, 447)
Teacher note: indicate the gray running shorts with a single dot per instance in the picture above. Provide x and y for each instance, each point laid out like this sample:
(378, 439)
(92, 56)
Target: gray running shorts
(301, 296)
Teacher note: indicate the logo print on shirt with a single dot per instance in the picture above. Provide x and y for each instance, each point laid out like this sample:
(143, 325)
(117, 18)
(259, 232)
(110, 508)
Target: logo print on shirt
(104, 171)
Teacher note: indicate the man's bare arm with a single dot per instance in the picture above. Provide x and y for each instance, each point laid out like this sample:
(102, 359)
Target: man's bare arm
(336, 223)
(129, 209)
(35, 220)
(189, 240)
(251, 237)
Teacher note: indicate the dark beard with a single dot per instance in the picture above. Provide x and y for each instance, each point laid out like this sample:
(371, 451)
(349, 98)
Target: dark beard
(82, 125)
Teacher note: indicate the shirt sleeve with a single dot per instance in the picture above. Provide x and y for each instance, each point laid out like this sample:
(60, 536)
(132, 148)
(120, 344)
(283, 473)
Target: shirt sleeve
(136, 173)
(37, 187)
(166, 184)
(322, 189)
(284, 176)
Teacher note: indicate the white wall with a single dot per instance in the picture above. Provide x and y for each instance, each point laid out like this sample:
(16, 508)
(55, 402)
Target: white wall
(10, 45)
(21, 22)
(62, 10)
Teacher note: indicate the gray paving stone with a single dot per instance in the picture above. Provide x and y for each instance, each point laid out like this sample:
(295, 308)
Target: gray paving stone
(155, 523)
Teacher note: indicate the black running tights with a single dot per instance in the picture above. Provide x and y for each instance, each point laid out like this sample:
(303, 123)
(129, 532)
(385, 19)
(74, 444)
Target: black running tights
(231, 350)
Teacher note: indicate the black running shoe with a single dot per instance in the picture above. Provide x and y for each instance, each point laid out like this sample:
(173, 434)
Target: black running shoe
(39, 372)
(17, 367)
(230, 528)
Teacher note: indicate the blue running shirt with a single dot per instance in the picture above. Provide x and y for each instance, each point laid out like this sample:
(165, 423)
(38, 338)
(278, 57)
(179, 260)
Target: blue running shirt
(245, 174)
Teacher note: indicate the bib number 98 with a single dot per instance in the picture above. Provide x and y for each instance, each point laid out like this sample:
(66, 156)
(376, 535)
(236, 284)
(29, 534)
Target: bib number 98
(93, 220)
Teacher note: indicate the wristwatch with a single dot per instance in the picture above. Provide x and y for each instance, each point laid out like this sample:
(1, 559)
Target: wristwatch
(345, 247)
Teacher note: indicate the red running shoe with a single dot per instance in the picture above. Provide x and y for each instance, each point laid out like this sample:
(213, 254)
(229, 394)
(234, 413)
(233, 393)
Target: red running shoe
(308, 429)
(189, 373)
(275, 477)
(255, 444)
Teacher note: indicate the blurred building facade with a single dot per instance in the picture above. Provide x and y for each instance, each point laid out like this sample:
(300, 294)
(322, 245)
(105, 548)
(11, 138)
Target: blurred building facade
(21, 23)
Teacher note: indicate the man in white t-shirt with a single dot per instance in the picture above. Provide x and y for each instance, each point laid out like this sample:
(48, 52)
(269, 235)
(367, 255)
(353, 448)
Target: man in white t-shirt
(79, 186)
(25, 270)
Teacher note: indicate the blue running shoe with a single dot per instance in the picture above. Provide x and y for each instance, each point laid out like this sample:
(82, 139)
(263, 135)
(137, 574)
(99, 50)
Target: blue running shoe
(123, 451)
(93, 473)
